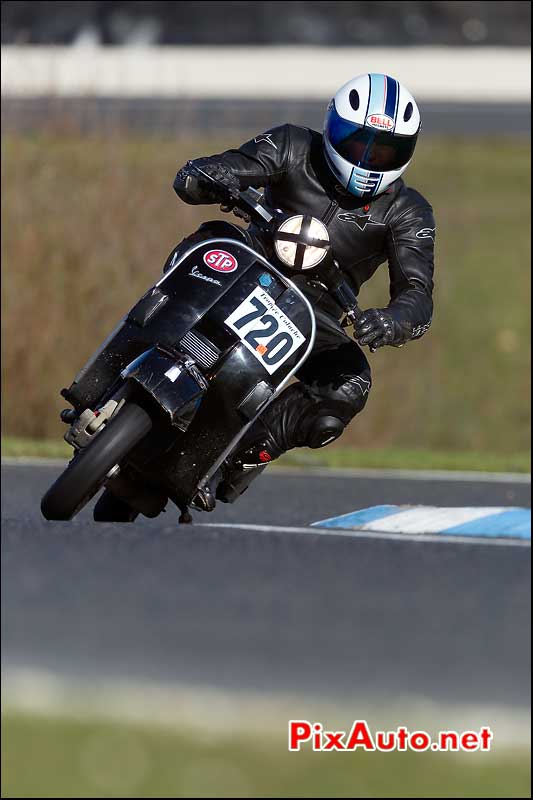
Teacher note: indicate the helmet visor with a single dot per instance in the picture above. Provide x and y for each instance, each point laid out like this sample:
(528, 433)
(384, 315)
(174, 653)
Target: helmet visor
(362, 146)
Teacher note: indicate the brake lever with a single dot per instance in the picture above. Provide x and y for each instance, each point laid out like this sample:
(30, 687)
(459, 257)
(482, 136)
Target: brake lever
(228, 208)
(352, 316)
(246, 202)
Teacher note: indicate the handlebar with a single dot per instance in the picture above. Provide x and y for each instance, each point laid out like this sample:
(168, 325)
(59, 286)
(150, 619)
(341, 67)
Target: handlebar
(250, 202)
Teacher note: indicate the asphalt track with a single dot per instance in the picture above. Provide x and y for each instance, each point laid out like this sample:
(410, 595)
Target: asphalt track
(270, 609)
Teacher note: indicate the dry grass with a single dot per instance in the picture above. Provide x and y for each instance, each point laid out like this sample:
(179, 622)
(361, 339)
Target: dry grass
(86, 756)
(88, 223)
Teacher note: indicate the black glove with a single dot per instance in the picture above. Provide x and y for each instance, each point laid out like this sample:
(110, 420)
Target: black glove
(193, 188)
(378, 327)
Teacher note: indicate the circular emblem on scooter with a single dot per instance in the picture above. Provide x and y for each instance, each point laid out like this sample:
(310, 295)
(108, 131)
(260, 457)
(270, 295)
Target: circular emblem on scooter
(220, 261)
(301, 242)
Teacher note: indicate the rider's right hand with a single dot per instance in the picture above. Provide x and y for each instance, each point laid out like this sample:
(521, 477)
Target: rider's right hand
(191, 187)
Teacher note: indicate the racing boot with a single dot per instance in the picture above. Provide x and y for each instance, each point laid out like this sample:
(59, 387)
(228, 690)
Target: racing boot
(238, 472)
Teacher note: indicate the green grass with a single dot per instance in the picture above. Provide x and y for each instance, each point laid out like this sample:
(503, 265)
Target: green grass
(54, 757)
(18, 447)
(333, 457)
(391, 458)
(103, 218)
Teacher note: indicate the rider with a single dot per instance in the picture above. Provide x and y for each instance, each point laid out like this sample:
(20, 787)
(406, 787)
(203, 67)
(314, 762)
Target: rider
(349, 177)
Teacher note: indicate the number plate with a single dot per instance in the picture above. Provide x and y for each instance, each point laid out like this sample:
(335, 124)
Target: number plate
(265, 330)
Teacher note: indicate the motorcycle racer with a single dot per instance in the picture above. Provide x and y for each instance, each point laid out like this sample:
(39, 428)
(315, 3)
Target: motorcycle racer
(349, 177)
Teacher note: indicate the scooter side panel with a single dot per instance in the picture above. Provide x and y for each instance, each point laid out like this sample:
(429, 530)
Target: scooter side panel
(192, 287)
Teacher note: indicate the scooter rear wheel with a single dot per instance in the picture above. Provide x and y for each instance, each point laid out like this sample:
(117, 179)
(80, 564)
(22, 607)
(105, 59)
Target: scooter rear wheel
(87, 471)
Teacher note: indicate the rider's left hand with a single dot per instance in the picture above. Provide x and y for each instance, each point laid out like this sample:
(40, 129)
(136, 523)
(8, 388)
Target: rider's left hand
(377, 328)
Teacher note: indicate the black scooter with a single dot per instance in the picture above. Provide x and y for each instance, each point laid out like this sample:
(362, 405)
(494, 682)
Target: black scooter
(167, 397)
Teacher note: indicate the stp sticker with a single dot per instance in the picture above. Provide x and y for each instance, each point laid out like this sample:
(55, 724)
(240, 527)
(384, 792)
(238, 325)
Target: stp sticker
(380, 121)
(221, 261)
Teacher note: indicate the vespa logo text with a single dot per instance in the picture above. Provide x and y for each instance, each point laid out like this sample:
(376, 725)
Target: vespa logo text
(221, 261)
(380, 121)
(195, 273)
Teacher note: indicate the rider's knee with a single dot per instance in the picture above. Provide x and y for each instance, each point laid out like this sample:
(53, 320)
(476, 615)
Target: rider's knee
(323, 430)
(353, 393)
(347, 398)
(315, 415)
(325, 420)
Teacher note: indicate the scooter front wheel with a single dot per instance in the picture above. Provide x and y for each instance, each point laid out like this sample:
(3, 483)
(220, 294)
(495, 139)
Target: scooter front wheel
(87, 472)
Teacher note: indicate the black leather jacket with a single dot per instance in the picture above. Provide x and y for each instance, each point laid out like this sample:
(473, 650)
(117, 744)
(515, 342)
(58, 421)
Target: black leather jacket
(396, 226)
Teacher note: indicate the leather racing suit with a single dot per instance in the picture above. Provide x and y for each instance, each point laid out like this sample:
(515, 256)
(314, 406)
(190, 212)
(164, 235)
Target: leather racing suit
(396, 227)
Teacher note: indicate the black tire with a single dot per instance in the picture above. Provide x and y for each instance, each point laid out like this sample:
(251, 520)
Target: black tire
(86, 473)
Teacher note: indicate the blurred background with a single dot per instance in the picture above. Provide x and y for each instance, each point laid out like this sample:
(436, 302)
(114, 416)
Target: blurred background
(102, 102)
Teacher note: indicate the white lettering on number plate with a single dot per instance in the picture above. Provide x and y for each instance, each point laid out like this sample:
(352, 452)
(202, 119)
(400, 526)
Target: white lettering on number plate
(265, 330)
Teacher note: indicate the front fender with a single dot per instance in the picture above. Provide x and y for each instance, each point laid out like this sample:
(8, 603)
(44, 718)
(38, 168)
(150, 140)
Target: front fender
(173, 381)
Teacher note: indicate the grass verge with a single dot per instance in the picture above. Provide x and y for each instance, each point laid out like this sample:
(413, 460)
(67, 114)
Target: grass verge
(334, 458)
(59, 757)
(18, 447)
(396, 458)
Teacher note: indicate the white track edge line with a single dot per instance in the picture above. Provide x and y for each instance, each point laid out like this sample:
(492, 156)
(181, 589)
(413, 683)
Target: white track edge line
(399, 537)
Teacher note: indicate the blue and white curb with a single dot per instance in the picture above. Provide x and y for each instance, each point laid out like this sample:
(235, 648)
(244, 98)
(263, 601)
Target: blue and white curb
(493, 522)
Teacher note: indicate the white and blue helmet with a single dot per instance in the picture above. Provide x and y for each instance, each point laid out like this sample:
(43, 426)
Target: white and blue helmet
(370, 133)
